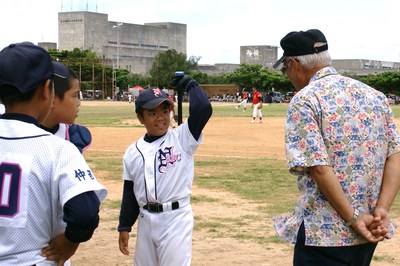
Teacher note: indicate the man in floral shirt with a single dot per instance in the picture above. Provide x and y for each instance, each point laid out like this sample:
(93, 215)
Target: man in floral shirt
(342, 143)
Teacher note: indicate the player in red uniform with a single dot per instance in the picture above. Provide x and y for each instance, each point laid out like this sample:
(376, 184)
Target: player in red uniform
(257, 100)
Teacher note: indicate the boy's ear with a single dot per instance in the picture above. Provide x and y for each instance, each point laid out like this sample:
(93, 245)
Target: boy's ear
(140, 117)
(44, 92)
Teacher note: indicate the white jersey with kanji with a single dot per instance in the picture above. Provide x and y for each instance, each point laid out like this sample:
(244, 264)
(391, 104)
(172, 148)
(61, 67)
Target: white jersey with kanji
(39, 173)
(162, 171)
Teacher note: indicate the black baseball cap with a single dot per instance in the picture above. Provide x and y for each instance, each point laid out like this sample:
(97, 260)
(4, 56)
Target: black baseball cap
(25, 66)
(298, 43)
(60, 77)
(151, 98)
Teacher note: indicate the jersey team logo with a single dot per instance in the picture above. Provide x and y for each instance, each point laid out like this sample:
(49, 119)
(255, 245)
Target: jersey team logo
(167, 158)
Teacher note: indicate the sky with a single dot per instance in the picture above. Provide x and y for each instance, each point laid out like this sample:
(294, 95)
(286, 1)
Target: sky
(355, 29)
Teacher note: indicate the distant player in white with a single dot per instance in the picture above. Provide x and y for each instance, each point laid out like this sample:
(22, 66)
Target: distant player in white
(49, 197)
(158, 172)
(244, 100)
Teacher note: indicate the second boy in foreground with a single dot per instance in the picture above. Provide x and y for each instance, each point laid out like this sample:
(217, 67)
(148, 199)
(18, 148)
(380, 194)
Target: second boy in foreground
(65, 109)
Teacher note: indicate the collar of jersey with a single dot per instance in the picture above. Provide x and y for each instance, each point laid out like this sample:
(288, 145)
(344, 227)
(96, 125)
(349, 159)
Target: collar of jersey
(150, 139)
(20, 117)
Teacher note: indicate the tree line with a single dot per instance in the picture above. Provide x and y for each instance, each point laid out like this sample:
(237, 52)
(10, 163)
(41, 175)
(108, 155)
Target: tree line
(95, 74)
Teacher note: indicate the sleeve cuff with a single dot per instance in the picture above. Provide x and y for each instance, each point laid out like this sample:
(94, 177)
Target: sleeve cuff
(124, 229)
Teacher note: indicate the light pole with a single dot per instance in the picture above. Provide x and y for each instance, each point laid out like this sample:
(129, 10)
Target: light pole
(117, 27)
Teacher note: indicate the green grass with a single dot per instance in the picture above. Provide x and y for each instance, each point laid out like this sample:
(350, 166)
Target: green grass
(112, 116)
(269, 110)
(115, 116)
(111, 204)
(202, 198)
(265, 181)
(112, 165)
(260, 180)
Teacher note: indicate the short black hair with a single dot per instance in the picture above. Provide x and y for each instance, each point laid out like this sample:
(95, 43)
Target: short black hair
(62, 85)
(10, 94)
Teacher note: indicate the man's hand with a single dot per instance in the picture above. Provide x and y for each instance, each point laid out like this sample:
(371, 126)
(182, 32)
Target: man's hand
(60, 249)
(381, 222)
(123, 242)
(361, 226)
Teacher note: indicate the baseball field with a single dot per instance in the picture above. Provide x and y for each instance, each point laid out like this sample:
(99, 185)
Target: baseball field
(241, 181)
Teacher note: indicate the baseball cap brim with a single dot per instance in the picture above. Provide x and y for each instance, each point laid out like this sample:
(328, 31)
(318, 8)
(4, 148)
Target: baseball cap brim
(60, 70)
(156, 102)
(279, 62)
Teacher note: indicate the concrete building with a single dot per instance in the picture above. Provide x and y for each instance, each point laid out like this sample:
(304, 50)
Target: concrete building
(133, 47)
(363, 67)
(218, 69)
(265, 55)
(48, 45)
(122, 45)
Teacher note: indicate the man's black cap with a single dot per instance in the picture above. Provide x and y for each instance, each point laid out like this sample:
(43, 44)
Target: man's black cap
(298, 43)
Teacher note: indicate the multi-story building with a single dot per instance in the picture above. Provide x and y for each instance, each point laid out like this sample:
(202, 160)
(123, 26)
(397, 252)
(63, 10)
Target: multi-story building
(363, 67)
(133, 47)
(265, 55)
(122, 45)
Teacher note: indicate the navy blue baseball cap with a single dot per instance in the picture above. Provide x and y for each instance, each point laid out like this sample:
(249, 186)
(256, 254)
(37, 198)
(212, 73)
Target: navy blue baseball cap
(60, 77)
(298, 43)
(25, 66)
(151, 98)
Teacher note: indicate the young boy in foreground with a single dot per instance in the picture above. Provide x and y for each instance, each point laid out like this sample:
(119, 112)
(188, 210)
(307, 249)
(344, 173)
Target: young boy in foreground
(158, 172)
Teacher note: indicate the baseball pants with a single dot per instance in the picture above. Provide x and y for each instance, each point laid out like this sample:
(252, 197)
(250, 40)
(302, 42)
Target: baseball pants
(256, 111)
(165, 238)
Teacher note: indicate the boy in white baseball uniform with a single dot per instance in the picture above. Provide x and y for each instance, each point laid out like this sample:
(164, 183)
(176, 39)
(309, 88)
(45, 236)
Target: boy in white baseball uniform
(158, 172)
(65, 109)
(244, 100)
(49, 197)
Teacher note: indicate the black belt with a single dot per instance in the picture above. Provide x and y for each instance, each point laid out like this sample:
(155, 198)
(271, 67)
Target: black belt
(158, 207)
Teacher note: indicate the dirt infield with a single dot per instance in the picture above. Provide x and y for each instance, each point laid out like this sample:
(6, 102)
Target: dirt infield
(223, 137)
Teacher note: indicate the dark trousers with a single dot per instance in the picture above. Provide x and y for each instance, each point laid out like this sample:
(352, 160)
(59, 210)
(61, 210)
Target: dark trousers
(359, 255)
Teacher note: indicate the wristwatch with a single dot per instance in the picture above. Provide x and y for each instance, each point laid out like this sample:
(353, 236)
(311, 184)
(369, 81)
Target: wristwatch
(353, 220)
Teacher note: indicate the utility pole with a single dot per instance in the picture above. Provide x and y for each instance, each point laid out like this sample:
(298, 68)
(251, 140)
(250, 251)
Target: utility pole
(117, 27)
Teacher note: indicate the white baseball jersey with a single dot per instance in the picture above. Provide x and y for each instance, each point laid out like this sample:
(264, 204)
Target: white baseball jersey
(39, 173)
(162, 171)
(62, 131)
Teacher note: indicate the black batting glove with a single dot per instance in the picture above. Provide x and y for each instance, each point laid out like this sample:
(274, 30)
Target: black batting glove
(182, 83)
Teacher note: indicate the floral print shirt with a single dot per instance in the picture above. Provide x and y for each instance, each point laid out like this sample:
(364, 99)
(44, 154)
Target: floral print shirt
(343, 123)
